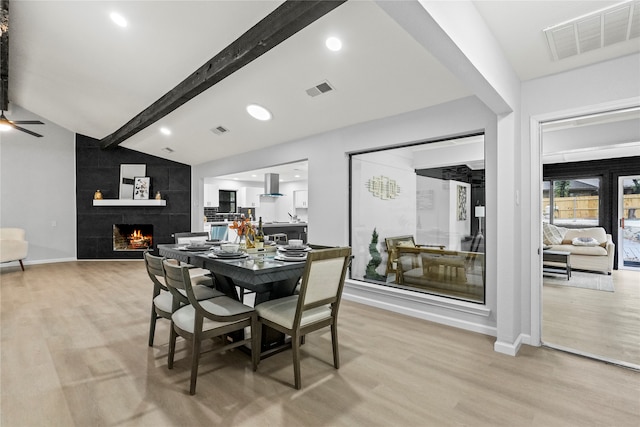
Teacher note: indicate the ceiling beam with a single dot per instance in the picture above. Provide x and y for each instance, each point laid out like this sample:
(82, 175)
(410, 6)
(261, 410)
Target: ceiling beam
(289, 18)
(4, 55)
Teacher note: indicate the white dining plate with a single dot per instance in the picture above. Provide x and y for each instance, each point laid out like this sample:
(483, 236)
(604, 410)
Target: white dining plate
(294, 249)
(228, 255)
(286, 258)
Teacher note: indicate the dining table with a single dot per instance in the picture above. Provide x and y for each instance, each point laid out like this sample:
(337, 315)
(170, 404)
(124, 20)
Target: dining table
(262, 273)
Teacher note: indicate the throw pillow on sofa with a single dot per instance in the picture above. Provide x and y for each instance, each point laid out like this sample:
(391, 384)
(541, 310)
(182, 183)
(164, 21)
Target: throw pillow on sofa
(585, 241)
(597, 233)
(552, 235)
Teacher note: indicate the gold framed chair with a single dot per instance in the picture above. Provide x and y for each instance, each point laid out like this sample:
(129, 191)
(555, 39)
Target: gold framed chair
(205, 319)
(392, 244)
(315, 307)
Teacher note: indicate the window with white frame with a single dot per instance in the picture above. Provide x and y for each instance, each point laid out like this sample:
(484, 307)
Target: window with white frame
(418, 217)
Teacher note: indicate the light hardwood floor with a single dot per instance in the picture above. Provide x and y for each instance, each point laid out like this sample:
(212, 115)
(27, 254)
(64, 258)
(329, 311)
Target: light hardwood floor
(604, 324)
(74, 353)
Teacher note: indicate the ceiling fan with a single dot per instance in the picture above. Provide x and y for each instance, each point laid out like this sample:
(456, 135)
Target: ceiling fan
(4, 76)
(4, 122)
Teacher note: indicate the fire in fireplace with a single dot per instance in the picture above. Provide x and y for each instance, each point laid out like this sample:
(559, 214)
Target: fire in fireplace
(132, 237)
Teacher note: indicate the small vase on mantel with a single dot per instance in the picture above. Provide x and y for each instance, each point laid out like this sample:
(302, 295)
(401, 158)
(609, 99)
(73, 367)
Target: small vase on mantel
(97, 195)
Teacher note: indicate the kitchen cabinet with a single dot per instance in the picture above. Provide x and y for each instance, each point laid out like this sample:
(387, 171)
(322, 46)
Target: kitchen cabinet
(227, 201)
(211, 196)
(301, 199)
(249, 197)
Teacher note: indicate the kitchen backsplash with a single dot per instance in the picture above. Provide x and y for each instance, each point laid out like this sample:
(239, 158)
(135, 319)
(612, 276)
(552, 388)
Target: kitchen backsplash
(213, 215)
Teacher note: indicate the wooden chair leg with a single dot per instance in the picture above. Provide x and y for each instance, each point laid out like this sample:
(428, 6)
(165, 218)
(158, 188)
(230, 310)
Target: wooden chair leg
(195, 359)
(295, 347)
(334, 342)
(21, 264)
(256, 341)
(152, 325)
(172, 347)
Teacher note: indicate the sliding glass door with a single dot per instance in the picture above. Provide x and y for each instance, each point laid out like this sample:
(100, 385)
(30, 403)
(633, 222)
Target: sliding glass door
(629, 222)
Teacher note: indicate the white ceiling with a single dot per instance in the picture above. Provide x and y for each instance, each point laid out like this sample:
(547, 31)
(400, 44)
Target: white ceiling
(72, 66)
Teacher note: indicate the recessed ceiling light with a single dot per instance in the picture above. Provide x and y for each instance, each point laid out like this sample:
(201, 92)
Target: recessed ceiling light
(258, 112)
(254, 175)
(297, 176)
(333, 43)
(165, 131)
(118, 19)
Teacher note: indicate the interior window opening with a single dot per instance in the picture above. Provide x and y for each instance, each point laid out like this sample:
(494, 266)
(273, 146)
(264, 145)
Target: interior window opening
(418, 217)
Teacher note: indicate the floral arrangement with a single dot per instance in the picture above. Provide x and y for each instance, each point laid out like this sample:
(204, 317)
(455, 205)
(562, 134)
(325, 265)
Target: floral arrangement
(243, 227)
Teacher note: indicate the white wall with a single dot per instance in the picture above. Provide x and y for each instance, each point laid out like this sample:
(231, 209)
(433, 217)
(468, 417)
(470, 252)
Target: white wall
(37, 187)
(432, 211)
(389, 217)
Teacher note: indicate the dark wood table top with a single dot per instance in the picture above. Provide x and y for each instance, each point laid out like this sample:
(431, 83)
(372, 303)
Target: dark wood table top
(258, 273)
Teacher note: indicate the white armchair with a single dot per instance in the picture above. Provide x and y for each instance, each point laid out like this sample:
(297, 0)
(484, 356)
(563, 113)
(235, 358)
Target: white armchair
(13, 245)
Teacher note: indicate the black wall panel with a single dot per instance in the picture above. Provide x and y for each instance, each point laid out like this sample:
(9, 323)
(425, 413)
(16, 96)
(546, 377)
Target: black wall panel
(609, 170)
(98, 169)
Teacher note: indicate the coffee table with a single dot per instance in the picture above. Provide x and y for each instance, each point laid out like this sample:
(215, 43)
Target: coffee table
(557, 262)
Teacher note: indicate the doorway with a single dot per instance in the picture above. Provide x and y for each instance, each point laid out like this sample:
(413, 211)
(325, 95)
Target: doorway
(596, 323)
(629, 222)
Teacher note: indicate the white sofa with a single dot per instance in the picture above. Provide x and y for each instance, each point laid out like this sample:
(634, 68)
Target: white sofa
(591, 248)
(13, 245)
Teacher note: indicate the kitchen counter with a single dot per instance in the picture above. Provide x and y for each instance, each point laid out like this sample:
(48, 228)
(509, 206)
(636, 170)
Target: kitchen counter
(293, 230)
(264, 224)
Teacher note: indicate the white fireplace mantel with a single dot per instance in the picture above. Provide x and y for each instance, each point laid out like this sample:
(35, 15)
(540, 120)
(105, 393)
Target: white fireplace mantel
(128, 202)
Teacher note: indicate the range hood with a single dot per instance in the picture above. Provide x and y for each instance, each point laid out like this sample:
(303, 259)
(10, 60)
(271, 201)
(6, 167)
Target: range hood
(272, 185)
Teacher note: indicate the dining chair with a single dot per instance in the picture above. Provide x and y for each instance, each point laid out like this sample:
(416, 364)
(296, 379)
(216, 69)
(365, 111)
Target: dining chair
(188, 236)
(162, 300)
(205, 319)
(315, 307)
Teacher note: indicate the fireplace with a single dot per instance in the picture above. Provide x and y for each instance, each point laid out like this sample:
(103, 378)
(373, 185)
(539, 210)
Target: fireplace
(132, 237)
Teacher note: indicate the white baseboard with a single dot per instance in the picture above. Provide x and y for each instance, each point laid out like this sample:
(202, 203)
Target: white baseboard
(35, 262)
(53, 261)
(422, 306)
(510, 349)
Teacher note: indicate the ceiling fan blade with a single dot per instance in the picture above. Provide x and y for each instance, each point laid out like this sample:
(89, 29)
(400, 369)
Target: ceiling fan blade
(26, 131)
(27, 122)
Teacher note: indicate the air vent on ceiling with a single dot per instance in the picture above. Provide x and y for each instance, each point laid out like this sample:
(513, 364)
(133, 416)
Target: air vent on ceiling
(323, 87)
(167, 150)
(595, 30)
(219, 130)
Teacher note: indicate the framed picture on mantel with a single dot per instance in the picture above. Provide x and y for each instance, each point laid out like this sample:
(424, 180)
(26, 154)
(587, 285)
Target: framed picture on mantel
(141, 188)
(127, 179)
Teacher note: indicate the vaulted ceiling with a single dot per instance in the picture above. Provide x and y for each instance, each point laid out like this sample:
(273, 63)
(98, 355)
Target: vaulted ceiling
(72, 66)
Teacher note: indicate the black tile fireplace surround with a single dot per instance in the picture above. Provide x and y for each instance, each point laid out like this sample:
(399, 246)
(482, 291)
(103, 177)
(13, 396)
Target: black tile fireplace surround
(98, 169)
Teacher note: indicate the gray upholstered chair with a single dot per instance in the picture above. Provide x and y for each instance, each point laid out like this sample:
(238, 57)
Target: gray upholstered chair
(188, 236)
(315, 307)
(162, 300)
(205, 319)
(13, 245)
